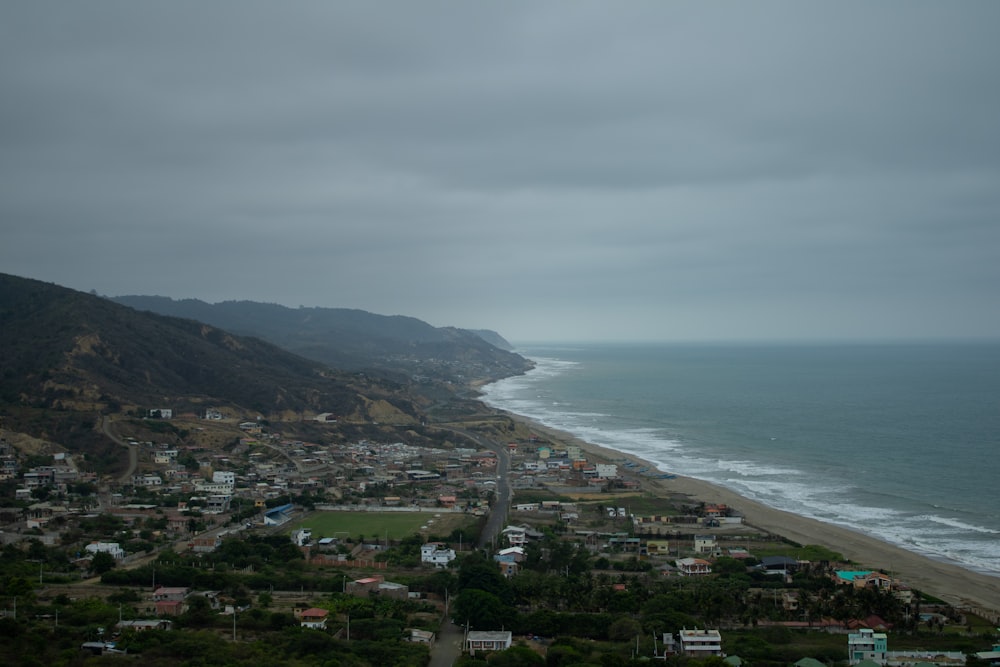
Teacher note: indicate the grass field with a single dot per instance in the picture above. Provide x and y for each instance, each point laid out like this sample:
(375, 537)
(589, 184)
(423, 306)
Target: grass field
(379, 525)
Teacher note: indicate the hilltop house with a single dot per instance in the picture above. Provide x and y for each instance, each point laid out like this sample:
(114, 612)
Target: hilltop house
(313, 617)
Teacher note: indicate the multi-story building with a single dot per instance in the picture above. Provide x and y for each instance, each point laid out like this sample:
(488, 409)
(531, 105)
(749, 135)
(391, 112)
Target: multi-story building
(701, 643)
(866, 644)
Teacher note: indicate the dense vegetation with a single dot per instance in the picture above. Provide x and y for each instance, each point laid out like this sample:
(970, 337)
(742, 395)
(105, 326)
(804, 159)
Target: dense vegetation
(584, 610)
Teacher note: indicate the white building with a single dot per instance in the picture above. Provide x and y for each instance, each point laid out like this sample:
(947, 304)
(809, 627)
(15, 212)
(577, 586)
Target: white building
(704, 544)
(313, 618)
(224, 477)
(147, 480)
(693, 567)
(436, 554)
(112, 548)
(487, 640)
(516, 536)
(607, 470)
(700, 643)
(206, 487)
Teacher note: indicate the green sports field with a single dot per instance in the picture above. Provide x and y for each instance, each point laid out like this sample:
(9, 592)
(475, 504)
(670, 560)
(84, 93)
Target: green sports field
(379, 525)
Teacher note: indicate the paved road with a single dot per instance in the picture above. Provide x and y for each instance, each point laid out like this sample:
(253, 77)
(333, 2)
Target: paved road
(448, 646)
(501, 501)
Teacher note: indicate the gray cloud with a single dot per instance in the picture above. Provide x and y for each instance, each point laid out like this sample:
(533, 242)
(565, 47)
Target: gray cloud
(587, 170)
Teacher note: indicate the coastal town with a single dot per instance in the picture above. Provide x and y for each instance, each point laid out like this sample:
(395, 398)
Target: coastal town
(518, 510)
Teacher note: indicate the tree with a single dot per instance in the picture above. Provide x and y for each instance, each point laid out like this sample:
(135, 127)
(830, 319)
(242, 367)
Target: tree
(624, 629)
(102, 562)
(517, 656)
(482, 610)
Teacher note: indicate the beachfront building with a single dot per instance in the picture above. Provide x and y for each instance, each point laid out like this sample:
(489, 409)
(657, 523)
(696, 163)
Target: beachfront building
(700, 643)
(866, 644)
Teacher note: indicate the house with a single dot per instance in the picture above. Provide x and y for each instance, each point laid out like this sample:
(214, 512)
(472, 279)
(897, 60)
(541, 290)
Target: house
(515, 535)
(204, 545)
(112, 548)
(704, 544)
(143, 624)
(510, 555)
(302, 537)
(421, 637)
(669, 646)
(509, 569)
(694, 567)
(170, 593)
(487, 640)
(866, 644)
(607, 470)
(658, 547)
(436, 554)
(848, 576)
(227, 477)
(700, 643)
(314, 617)
(778, 564)
(377, 585)
(169, 607)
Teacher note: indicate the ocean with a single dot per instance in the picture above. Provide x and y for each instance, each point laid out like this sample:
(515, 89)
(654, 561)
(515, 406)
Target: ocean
(899, 441)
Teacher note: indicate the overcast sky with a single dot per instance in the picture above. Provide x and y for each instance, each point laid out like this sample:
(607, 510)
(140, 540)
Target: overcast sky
(551, 170)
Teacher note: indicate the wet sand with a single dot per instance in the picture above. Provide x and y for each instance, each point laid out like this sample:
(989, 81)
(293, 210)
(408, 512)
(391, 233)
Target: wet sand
(951, 583)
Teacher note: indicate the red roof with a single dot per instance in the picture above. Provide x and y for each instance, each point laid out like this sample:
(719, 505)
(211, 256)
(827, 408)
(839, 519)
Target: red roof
(314, 612)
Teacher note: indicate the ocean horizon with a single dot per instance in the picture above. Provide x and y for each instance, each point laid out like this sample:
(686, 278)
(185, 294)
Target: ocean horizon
(898, 441)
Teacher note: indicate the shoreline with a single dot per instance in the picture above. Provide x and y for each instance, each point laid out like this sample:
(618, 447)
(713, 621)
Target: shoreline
(952, 583)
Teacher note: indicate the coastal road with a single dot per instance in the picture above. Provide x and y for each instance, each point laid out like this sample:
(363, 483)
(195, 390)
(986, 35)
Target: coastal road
(502, 495)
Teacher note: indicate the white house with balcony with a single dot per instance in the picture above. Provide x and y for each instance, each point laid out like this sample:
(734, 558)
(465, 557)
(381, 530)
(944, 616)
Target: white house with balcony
(694, 567)
(436, 554)
(700, 643)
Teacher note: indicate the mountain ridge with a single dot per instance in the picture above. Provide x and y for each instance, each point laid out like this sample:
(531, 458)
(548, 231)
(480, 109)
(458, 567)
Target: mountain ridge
(353, 339)
(69, 350)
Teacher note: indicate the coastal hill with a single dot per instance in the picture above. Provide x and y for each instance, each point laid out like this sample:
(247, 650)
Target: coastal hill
(351, 339)
(71, 357)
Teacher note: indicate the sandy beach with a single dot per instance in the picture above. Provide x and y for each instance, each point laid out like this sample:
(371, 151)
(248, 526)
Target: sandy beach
(954, 584)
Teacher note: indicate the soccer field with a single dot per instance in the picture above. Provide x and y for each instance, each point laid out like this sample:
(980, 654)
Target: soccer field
(380, 525)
